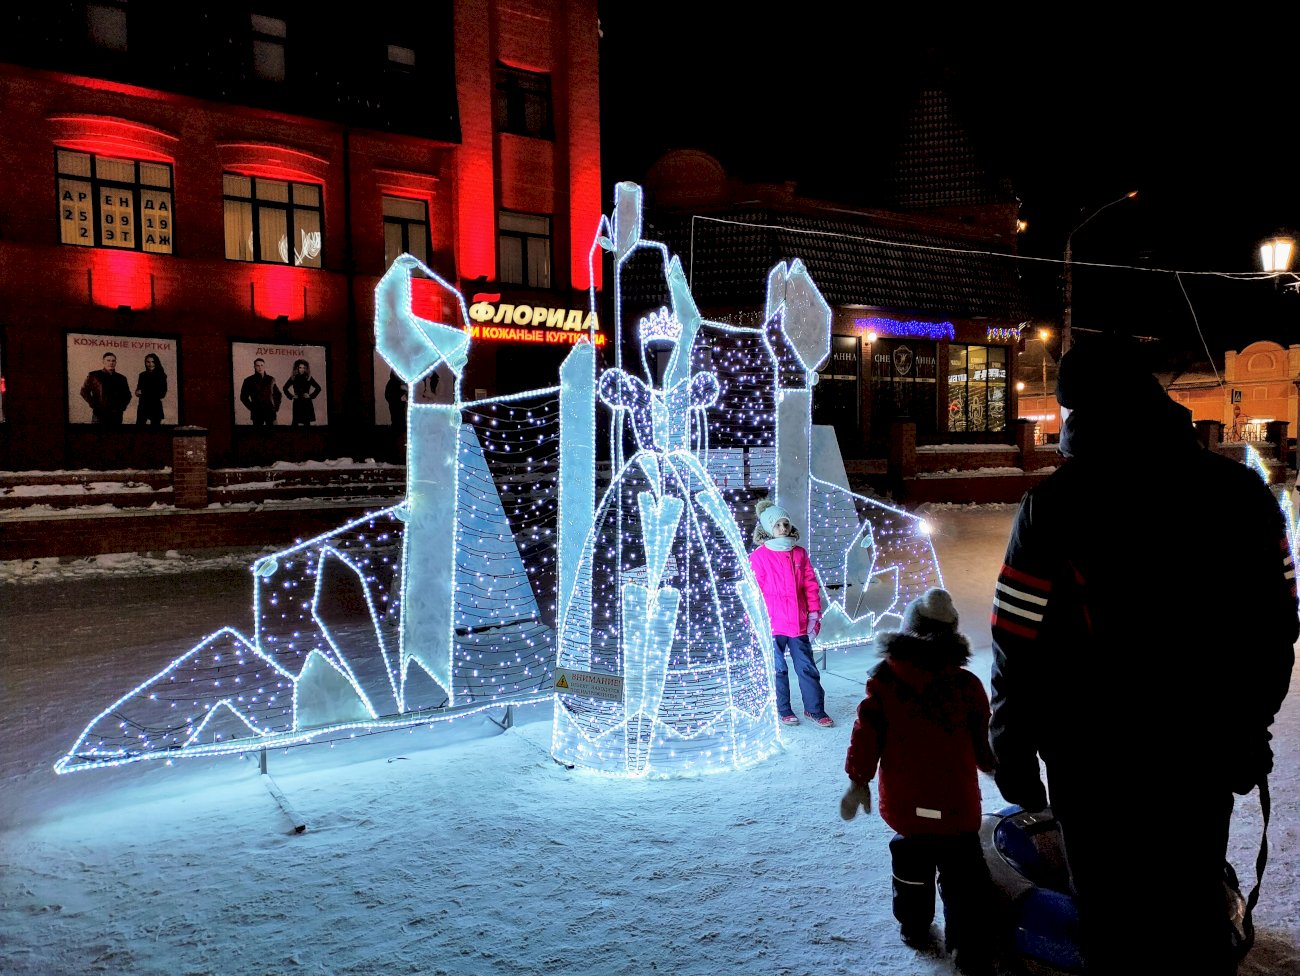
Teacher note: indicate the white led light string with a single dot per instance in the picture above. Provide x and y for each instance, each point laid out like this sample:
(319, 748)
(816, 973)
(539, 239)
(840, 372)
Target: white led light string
(461, 581)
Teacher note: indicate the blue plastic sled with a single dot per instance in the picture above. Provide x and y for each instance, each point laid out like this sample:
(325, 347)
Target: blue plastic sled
(1038, 920)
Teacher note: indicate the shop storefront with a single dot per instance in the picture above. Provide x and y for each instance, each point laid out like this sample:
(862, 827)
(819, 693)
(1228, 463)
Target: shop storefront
(951, 379)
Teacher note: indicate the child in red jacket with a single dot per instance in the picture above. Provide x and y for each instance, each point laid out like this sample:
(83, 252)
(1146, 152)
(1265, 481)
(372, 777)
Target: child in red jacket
(789, 586)
(925, 724)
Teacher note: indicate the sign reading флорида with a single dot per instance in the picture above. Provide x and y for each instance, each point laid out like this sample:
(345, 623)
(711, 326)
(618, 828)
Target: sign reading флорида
(499, 320)
(589, 684)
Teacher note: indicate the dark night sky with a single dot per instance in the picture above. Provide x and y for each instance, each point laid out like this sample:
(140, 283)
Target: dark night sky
(1074, 115)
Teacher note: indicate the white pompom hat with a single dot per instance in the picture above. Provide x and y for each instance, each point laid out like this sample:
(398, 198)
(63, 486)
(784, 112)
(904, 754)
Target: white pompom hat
(769, 516)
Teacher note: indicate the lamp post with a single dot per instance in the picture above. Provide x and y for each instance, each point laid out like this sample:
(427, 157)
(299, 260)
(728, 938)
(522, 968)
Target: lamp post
(1276, 255)
(1043, 335)
(1066, 335)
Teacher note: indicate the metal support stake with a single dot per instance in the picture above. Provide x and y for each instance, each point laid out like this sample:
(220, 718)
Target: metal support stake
(507, 720)
(296, 824)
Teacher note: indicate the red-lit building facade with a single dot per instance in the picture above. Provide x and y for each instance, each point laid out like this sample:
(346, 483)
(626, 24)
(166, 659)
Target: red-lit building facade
(207, 185)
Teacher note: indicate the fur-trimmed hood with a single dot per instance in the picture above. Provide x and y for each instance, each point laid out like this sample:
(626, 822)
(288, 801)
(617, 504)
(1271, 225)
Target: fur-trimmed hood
(933, 652)
(761, 534)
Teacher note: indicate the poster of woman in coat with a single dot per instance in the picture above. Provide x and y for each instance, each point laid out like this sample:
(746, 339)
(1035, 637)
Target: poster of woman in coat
(278, 384)
(392, 393)
(116, 380)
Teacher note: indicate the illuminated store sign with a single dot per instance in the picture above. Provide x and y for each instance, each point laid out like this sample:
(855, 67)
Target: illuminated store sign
(506, 321)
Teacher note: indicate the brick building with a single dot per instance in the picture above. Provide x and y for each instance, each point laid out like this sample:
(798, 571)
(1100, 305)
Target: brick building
(213, 184)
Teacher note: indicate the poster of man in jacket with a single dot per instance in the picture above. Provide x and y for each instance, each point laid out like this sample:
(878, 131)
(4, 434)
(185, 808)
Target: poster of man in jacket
(392, 394)
(262, 383)
(110, 384)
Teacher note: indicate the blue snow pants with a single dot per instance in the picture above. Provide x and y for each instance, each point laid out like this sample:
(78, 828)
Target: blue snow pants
(810, 679)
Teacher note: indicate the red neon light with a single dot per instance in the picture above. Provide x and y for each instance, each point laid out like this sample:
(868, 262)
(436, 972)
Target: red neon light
(120, 278)
(278, 290)
(107, 136)
(272, 162)
(476, 250)
(426, 300)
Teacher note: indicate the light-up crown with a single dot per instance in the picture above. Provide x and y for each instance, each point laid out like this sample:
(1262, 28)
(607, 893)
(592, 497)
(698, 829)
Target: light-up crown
(661, 324)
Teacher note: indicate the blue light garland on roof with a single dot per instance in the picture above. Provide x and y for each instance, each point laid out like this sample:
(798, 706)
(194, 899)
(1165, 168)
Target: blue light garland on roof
(911, 329)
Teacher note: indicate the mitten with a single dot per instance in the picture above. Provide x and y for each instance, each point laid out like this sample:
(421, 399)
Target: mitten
(854, 797)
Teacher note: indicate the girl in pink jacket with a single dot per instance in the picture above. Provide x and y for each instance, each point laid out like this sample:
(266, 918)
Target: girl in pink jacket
(793, 598)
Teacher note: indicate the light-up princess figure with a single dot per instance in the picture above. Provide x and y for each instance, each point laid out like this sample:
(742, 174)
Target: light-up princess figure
(663, 595)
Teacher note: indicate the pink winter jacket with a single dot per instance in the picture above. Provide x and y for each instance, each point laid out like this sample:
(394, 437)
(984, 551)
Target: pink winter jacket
(789, 588)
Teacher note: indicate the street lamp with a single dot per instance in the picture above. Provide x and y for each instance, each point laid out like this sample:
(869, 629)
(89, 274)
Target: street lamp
(1276, 255)
(1069, 274)
(1043, 336)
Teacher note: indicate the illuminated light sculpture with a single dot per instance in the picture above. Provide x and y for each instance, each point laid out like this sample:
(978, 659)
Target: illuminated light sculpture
(1289, 506)
(661, 609)
(450, 603)
(427, 610)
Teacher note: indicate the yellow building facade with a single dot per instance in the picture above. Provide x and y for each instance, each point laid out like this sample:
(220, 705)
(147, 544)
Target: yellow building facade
(1259, 384)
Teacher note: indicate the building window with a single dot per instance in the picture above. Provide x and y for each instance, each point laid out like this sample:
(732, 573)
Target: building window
(121, 203)
(904, 384)
(406, 229)
(272, 221)
(106, 24)
(401, 56)
(977, 388)
(523, 103)
(525, 250)
(269, 35)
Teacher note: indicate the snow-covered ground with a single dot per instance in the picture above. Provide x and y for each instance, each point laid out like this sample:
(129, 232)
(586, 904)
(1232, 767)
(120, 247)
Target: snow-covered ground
(461, 848)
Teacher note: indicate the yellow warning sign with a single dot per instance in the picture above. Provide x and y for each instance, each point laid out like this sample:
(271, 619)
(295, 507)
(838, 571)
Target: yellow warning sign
(589, 684)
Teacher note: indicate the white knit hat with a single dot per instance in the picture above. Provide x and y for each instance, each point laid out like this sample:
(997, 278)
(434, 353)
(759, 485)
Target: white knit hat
(769, 516)
(930, 613)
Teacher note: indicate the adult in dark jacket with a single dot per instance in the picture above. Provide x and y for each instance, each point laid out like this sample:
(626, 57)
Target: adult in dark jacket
(107, 392)
(1144, 626)
(302, 389)
(150, 387)
(261, 395)
(924, 723)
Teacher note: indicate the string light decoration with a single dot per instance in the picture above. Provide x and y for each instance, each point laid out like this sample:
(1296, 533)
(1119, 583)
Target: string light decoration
(382, 623)
(658, 623)
(912, 328)
(997, 333)
(1289, 506)
(666, 637)
(499, 579)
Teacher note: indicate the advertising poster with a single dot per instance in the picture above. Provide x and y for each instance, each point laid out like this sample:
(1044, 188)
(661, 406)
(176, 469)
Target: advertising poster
(279, 384)
(115, 379)
(392, 395)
